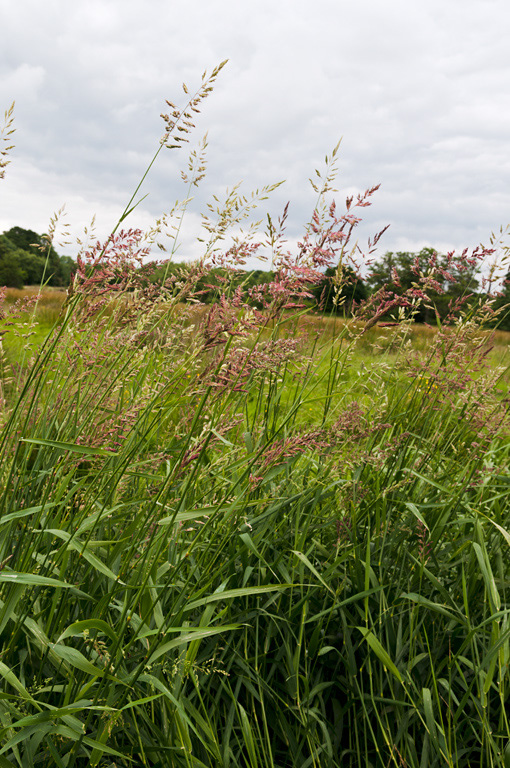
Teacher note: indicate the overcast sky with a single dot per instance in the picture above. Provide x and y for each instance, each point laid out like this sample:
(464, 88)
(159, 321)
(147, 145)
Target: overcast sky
(419, 92)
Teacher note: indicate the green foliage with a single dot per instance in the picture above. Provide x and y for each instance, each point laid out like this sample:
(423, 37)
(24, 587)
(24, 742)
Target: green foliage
(338, 290)
(502, 305)
(27, 258)
(215, 283)
(12, 274)
(410, 266)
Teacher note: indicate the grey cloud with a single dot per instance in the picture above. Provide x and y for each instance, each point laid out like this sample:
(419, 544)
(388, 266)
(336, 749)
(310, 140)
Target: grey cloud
(418, 92)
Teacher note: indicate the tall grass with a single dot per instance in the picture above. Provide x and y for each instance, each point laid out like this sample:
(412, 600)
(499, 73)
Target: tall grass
(224, 542)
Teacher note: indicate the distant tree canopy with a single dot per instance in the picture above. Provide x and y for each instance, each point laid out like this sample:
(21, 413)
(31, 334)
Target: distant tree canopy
(215, 282)
(339, 291)
(26, 258)
(503, 303)
(398, 271)
(11, 272)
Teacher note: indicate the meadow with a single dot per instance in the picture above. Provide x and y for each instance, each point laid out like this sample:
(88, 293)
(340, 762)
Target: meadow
(241, 534)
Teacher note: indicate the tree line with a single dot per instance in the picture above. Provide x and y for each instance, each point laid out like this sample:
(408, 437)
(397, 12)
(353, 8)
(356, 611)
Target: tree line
(342, 293)
(26, 258)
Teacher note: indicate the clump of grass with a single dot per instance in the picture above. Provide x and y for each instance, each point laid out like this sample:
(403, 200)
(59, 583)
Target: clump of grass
(224, 542)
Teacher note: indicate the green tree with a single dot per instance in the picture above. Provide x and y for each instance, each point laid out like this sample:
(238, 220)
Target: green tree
(32, 265)
(11, 272)
(338, 292)
(68, 267)
(401, 271)
(31, 243)
(502, 306)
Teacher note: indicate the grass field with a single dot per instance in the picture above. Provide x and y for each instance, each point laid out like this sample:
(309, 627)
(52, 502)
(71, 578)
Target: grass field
(229, 544)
